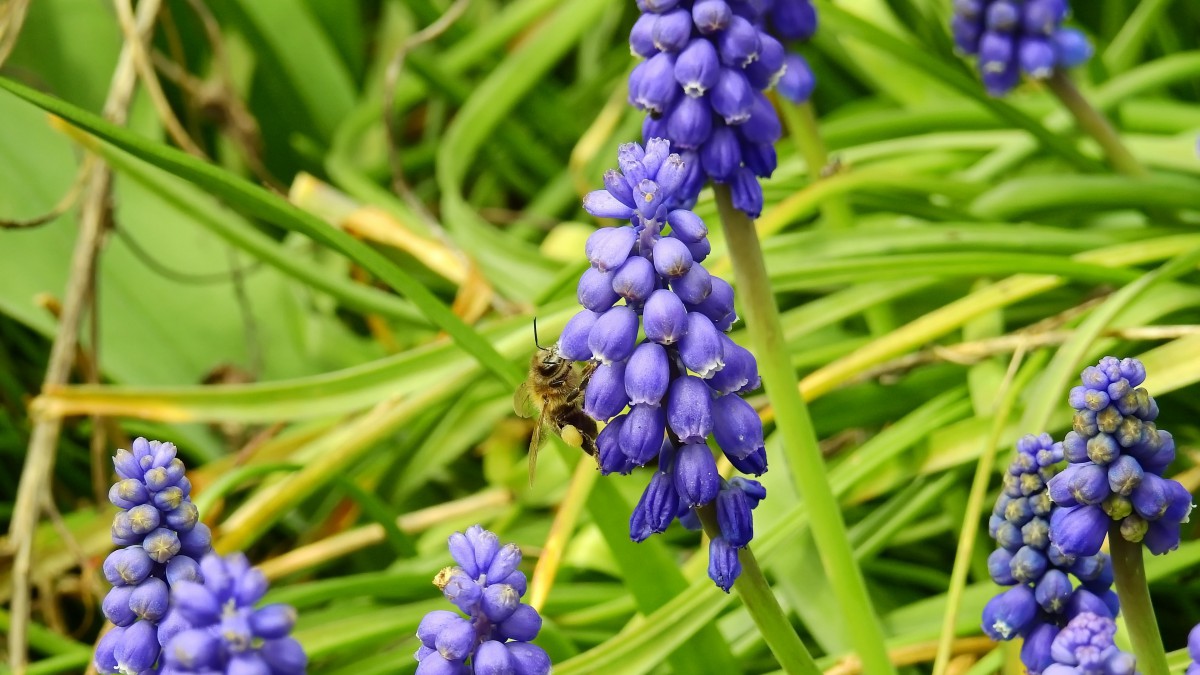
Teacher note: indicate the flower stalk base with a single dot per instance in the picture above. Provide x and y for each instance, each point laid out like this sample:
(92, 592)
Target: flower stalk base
(1130, 576)
(803, 456)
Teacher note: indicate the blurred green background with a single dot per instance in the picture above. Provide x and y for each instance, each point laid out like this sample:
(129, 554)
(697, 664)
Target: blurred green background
(337, 434)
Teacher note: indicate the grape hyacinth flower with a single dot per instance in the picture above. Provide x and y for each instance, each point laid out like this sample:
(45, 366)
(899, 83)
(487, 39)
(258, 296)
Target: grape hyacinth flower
(496, 636)
(1042, 597)
(681, 384)
(1116, 458)
(223, 631)
(1085, 647)
(707, 64)
(1014, 36)
(163, 540)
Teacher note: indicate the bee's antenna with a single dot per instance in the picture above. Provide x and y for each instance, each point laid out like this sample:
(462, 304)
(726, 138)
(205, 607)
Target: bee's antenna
(535, 335)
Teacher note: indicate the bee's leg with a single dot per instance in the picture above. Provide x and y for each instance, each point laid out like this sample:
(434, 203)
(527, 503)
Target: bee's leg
(585, 377)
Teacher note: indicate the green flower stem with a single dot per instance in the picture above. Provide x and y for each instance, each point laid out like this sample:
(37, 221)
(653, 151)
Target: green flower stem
(1095, 124)
(764, 609)
(803, 457)
(1130, 576)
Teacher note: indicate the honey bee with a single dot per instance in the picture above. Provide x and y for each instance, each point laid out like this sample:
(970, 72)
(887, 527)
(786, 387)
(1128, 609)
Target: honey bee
(554, 392)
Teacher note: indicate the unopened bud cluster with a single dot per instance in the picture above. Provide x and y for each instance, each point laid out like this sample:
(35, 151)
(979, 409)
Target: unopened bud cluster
(1014, 36)
(1042, 597)
(162, 542)
(707, 65)
(496, 635)
(680, 384)
(1116, 457)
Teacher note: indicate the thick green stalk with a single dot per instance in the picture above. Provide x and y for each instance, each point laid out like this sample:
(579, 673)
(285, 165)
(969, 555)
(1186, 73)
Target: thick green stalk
(763, 607)
(1095, 124)
(803, 456)
(1130, 576)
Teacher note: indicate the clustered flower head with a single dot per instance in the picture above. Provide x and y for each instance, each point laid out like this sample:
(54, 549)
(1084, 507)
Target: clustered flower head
(1085, 647)
(223, 631)
(163, 540)
(496, 635)
(707, 65)
(1116, 458)
(1014, 36)
(1043, 597)
(681, 383)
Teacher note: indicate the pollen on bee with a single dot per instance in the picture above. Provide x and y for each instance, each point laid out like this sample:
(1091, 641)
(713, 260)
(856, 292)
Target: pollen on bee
(571, 436)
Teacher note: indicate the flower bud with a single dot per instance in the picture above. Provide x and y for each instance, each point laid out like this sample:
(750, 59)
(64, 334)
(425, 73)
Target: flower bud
(1008, 614)
(672, 30)
(491, 658)
(273, 621)
(732, 97)
(456, 639)
(734, 517)
(127, 566)
(723, 565)
(196, 542)
(128, 493)
(503, 563)
(183, 518)
(1053, 591)
(642, 433)
(1036, 533)
(740, 372)
(1151, 498)
(605, 394)
(686, 226)
(721, 155)
(999, 567)
(149, 599)
(573, 343)
(1028, 564)
(614, 335)
(595, 290)
(137, 649)
(647, 374)
(435, 622)
(689, 409)
(608, 247)
(760, 158)
(1071, 47)
(767, 68)
(1041, 17)
(1075, 448)
(1089, 484)
(754, 464)
(698, 68)
(664, 316)
(736, 426)
(747, 193)
(116, 605)
(162, 544)
(1078, 530)
(764, 126)
(693, 286)
(671, 175)
(739, 43)
(609, 455)
(461, 590)
(528, 659)
(711, 16)
(1124, 475)
(499, 602)
(1161, 536)
(523, 625)
(689, 123)
(718, 306)
(701, 350)
(671, 258)
(657, 89)
(1035, 647)
(656, 508)
(641, 39)
(794, 19)
(696, 477)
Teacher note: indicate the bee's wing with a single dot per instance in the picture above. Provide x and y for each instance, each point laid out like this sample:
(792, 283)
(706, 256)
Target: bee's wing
(535, 443)
(523, 402)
